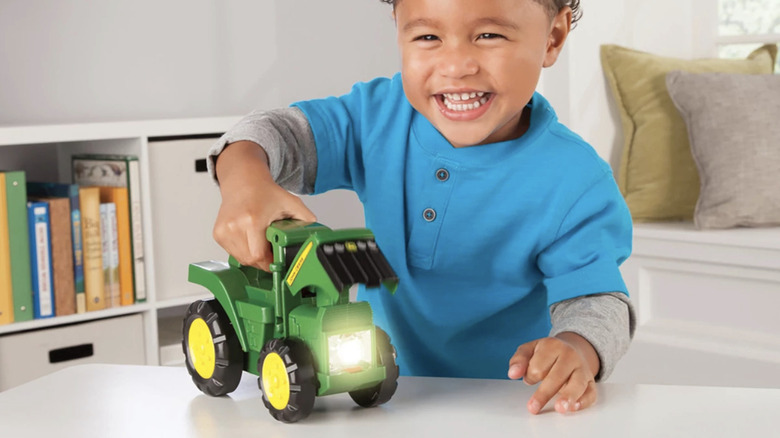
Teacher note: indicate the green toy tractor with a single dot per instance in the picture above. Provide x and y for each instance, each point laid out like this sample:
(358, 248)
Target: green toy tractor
(294, 327)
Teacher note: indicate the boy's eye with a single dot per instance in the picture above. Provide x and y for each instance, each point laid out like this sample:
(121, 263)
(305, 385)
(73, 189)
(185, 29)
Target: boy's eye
(426, 38)
(489, 36)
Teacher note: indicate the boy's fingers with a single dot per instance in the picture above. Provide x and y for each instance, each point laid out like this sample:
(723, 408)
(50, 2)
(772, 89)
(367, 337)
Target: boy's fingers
(518, 363)
(555, 379)
(542, 362)
(572, 392)
(589, 398)
(258, 250)
(295, 208)
(305, 215)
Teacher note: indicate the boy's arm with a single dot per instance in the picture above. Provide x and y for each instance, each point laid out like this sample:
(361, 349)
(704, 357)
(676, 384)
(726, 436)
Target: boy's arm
(255, 181)
(286, 137)
(606, 321)
(588, 245)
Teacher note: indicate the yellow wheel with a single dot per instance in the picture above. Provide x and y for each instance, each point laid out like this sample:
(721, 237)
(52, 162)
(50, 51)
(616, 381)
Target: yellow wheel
(287, 379)
(213, 353)
(275, 381)
(200, 348)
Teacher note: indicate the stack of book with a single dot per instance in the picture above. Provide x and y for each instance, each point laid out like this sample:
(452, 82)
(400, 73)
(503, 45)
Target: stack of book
(70, 248)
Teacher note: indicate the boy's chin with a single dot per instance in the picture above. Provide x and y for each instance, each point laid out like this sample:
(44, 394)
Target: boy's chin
(461, 140)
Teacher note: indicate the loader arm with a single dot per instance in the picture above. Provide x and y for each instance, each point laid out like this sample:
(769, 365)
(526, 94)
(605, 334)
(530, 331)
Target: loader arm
(329, 262)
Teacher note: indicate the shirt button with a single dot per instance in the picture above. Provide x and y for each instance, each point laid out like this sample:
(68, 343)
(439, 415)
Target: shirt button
(429, 214)
(442, 175)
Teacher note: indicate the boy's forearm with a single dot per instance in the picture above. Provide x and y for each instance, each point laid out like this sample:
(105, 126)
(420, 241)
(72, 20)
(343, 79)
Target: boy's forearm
(242, 161)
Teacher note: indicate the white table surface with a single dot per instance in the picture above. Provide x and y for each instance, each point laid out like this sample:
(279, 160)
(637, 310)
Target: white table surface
(144, 401)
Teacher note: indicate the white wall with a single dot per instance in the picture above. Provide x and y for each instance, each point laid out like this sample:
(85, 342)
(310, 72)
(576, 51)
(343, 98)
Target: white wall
(64, 61)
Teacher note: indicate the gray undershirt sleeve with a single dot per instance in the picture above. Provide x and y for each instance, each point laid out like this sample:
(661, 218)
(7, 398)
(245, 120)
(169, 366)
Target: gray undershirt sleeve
(607, 321)
(286, 137)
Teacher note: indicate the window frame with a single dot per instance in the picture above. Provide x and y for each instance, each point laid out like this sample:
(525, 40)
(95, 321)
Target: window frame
(709, 14)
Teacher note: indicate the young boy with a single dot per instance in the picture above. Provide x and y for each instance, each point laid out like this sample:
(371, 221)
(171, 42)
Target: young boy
(504, 227)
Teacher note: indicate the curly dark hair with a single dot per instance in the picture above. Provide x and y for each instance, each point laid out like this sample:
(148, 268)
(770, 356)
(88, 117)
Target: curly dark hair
(553, 6)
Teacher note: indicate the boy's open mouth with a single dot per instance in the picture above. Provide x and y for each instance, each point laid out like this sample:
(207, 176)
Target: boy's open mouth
(465, 105)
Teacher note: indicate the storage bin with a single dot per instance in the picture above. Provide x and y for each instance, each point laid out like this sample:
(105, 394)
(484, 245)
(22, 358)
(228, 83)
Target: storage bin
(184, 205)
(28, 355)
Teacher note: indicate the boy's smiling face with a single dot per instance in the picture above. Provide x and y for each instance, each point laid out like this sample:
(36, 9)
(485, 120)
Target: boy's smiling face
(471, 66)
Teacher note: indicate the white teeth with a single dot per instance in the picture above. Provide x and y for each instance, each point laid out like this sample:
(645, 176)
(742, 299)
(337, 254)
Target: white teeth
(449, 100)
(456, 97)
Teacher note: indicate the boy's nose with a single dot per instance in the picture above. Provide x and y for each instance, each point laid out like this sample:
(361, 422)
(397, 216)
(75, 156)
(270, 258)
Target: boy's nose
(457, 64)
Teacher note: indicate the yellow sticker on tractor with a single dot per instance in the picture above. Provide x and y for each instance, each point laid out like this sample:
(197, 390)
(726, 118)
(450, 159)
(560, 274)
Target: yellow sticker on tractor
(298, 264)
(351, 246)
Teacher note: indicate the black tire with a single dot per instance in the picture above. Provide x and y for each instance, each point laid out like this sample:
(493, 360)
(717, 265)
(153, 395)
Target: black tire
(292, 399)
(228, 357)
(384, 390)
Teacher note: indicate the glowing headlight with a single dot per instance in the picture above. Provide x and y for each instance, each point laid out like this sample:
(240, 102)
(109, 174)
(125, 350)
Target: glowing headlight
(350, 351)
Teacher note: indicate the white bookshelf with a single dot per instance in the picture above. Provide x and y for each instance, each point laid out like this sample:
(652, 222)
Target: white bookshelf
(44, 153)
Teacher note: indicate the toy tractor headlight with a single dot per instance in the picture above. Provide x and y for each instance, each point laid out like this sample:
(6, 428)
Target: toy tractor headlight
(349, 352)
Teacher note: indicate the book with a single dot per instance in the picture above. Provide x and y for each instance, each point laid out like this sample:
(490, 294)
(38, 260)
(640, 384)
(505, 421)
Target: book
(6, 291)
(19, 244)
(70, 191)
(94, 289)
(118, 196)
(118, 171)
(110, 253)
(40, 259)
(61, 254)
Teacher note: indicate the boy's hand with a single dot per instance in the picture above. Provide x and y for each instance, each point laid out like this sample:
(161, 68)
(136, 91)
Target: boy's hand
(251, 201)
(565, 365)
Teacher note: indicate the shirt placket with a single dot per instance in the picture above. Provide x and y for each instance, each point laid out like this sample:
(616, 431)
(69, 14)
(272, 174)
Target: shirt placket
(430, 197)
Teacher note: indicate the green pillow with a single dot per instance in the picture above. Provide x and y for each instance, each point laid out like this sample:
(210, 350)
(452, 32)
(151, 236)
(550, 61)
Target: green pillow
(657, 174)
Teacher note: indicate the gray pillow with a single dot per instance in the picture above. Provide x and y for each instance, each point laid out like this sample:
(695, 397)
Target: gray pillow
(733, 123)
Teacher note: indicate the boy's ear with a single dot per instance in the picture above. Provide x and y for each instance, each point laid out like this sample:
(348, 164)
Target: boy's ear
(559, 31)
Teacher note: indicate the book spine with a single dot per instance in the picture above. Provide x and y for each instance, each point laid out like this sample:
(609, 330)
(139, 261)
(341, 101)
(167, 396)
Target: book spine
(78, 253)
(40, 259)
(110, 253)
(113, 257)
(6, 290)
(139, 268)
(124, 244)
(19, 242)
(93, 248)
(62, 256)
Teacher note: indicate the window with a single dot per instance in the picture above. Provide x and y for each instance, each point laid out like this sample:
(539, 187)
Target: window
(743, 25)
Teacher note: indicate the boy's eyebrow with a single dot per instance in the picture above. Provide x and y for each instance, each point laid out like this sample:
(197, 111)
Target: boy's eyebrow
(498, 21)
(419, 22)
